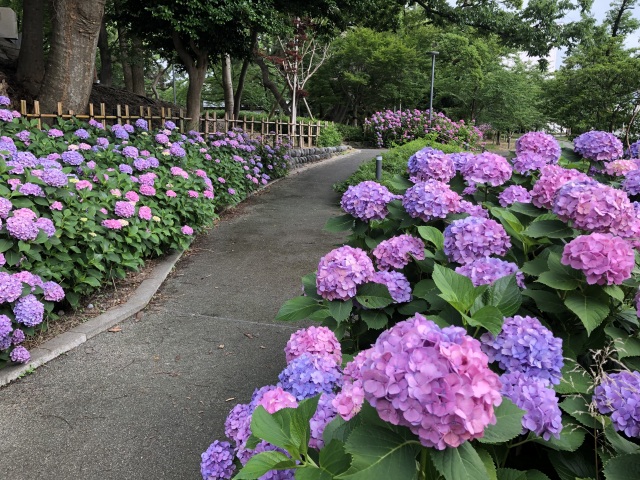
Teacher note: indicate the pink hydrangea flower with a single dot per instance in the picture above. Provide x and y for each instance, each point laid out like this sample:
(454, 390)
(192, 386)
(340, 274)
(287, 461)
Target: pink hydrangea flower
(341, 271)
(277, 399)
(314, 340)
(187, 230)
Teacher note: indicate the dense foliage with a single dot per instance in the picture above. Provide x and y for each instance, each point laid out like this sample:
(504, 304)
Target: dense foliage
(80, 204)
(487, 324)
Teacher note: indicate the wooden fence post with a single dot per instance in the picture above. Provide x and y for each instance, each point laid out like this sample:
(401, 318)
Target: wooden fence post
(36, 112)
(119, 114)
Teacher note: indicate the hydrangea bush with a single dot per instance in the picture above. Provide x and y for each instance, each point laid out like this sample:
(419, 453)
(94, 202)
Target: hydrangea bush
(81, 203)
(488, 328)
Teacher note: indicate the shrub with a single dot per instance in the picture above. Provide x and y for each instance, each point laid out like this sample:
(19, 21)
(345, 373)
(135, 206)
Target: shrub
(330, 136)
(351, 133)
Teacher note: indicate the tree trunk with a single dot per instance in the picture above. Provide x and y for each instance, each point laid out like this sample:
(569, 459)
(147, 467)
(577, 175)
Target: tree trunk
(137, 65)
(271, 85)
(31, 57)
(243, 75)
(227, 86)
(71, 64)
(196, 64)
(106, 67)
(124, 57)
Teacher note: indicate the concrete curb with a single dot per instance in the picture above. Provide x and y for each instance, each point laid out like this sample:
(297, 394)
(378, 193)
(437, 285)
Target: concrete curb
(78, 335)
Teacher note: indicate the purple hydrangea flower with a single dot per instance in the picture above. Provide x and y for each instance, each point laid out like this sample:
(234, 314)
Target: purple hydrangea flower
(341, 271)
(5, 326)
(468, 239)
(6, 115)
(124, 168)
(120, 132)
(631, 182)
(525, 345)
(551, 179)
(55, 133)
(72, 158)
(148, 190)
(527, 162)
(22, 227)
(460, 159)
(142, 124)
(238, 423)
(46, 225)
(26, 159)
(514, 193)
(324, 414)
(619, 168)
(397, 284)
(367, 201)
(485, 271)
(5, 101)
(18, 337)
(29, 311)
(217, 462)
(308, 375)
(473, 209)
(430, 164)
(487, 167)
(82, 134)
(141, 164)
(618, 394)
(434, 381)
(54, 177)
(604, 258)
(430, 199)
(320, 341)
(52, 291)
(20, 355)
(112, 224)
(130, 152)
(10, 288)
(162, 138)
(541, 144)
(168, 124)
(31, 189)
(186, 229)
(533, 395)
(177, 151)
(596, 145)
(396, 252)
(125, 209)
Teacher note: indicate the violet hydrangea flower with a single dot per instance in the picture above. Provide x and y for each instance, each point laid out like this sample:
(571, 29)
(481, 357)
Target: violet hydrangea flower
(619, 395)
(430, 199)
(29, 311)
(277, 399)
(541, 144)
(341, 271)
(314, 340)
(620, 168)
(125, 209)
(396, 252)
(397, 284)
(430, 164)
(604, 258)
(324, 414)
(470, 238)
(20, 355)
(460, 159)
(53, 292)
(512, 194)
(485, 271)
(434, 381)
(631, 182)
(367, 201)
(525, 345)
(597, 145)
(309, 375)
(217, 462)
(551, 179)
(489, 168)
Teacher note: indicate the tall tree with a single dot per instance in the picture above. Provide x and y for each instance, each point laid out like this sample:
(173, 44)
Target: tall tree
(70, 65)
(31, 57)
(106, 63)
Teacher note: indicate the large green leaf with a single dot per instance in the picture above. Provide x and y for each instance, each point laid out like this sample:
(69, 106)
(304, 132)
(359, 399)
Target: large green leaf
(548, 228)
(591, 306)
(623, 467)
(571, 437)
(432, 235)
(573, 466)
(424, 288)
(339, 224)
(546, 301)
(511, 474)
(459, 463)
(456, 289)
(538, 265)
(334, 459)
(5, 245)
(505, 295)
(525, 208)
(489, 317)
(488, 462)
(508, 425)
(618, 442)
(375, 319)
(373, 295)
(380, 454)
(297, 308)
(261, 463)
(578, 408)
(415, 306)
(309, 285)
(558, 281)
(575, 379)
(340, 310)
(626, 345)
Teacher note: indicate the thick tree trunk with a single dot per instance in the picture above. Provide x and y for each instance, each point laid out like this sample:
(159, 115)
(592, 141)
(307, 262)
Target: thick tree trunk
(71, 63)
(124, 57)
(271, 85)
(106, 65)
(243, 76)
(196, 61)
(31, 57)
(137, 65)
(227, 86)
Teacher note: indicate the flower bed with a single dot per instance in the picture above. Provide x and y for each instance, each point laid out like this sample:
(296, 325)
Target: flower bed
(390, 128)
(484, 331)
(80, 204)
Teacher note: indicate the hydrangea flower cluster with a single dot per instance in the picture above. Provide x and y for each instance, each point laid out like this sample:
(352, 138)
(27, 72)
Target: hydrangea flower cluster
(487, 167)
(527, 162)
(277, 399)
(620, 168)
(604, 258)
(617, 394)
(525, 345)
(471, 238)
(367, 201)
(430, 164)
(533, 395)
(460, 159)
(397, 284)
(435, 381)
(552, 177)
(485, 271)
(430, 199)
(514, 193)
(396, 252)
(24, 225)
(597, 145)
(217, 462)
(319, 341)
(541, 144)
(309, 375)
(631, 182)
(324, 414)
(341, 271)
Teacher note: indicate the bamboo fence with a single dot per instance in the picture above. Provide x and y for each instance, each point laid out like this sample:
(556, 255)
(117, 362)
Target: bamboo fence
(274, 130)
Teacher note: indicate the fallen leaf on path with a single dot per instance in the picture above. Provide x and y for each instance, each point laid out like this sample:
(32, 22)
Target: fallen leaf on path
(229, 399)
(115, 329)
(221, 346)
(248, 335)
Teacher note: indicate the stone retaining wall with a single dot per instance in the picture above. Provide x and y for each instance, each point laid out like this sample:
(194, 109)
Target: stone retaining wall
(302, 156)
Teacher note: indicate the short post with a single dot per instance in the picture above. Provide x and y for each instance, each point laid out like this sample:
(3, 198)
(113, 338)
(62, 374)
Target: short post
(379, 167)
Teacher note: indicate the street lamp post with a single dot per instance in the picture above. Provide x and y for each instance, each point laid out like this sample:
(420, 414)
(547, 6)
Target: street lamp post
(433, 71)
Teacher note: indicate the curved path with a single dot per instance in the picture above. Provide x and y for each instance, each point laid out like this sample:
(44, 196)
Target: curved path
(145, 402)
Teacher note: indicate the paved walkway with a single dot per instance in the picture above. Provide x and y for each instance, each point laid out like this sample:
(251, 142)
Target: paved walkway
(145, 402)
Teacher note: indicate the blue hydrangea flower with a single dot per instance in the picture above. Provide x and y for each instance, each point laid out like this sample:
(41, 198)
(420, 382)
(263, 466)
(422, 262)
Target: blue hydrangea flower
(308, 375)
(217, 462)
(619, 395)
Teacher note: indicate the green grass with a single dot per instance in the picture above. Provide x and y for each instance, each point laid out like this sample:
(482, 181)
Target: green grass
(394, 162)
